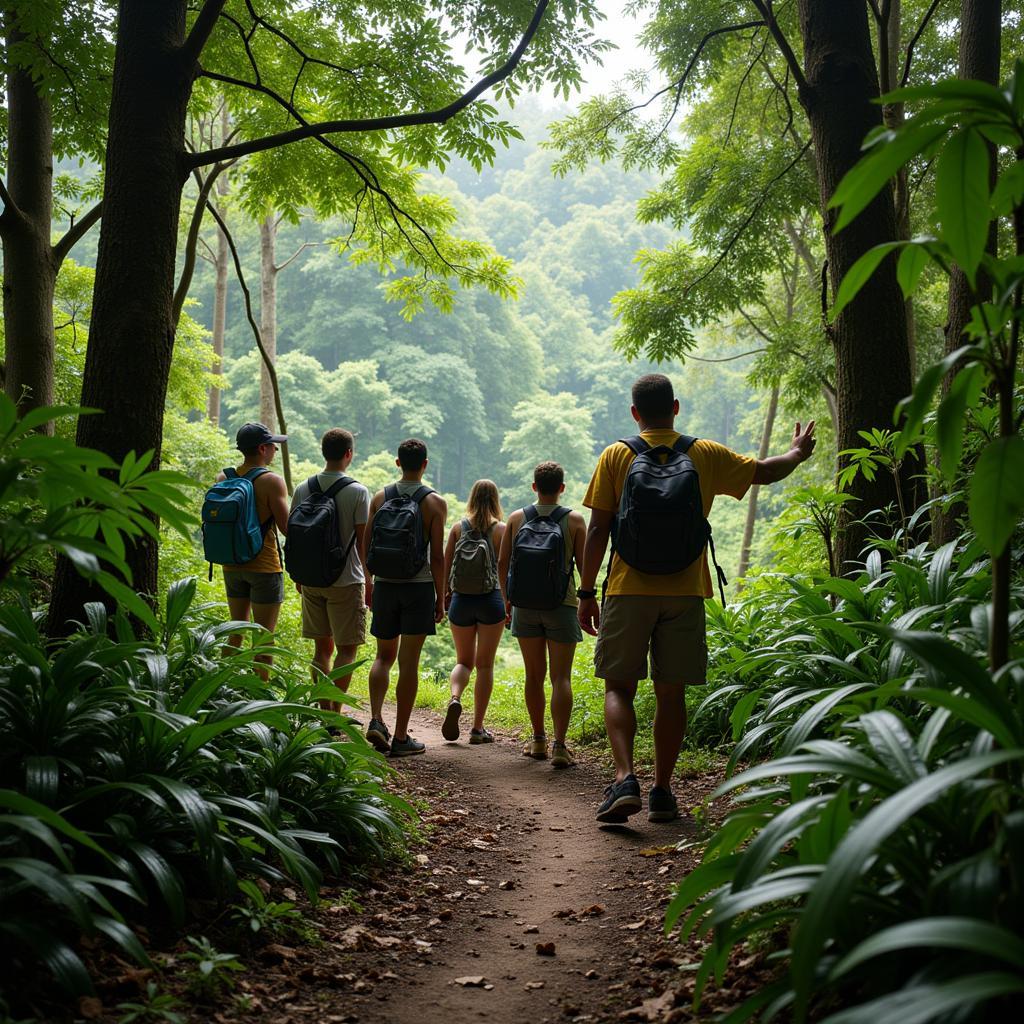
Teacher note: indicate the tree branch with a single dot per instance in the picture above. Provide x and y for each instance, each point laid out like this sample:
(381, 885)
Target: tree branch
(192, 239)
(726, 359)
(267, 361)
(904, 78)
(440, 116)
(298, 252)
(764, 8)
(202, 27)
(75, 232)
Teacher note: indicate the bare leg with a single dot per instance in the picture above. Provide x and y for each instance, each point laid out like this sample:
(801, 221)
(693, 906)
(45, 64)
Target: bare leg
(408, 682)
(488, 639)
(265, 615)
(669, 730)
(560, 656)
(535, 660)
(323, 648)
(620, 723)
(387, 652)
(465, 657)
(238, 609)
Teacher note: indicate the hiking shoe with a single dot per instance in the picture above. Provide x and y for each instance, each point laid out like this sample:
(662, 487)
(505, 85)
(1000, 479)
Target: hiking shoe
(661, 805)
(450, 728)
(560, 756)
(621, 799)
(480, 736)
(537, 748)
(378, 736)
(406, 747)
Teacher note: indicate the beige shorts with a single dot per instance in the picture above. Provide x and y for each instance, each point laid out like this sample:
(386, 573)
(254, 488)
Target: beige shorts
(337, 612)
(671, 629)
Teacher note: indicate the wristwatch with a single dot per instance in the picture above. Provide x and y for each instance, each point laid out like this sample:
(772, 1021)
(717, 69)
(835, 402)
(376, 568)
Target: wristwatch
(584, 594)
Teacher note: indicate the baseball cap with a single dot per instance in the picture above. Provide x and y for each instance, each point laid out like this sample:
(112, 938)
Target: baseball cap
(252, 435)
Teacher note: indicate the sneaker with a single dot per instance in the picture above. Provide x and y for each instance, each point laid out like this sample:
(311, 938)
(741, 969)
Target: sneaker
(560, 756)
(406, 747)
(537, 748)
(480, 736)
(378, 736)
(450, 728)
(621, 799)
(661, 805)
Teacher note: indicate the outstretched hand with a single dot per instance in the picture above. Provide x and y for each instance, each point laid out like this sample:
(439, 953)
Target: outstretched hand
(804, 441)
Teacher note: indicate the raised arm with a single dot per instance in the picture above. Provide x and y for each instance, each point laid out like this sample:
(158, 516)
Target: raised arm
(778, 467)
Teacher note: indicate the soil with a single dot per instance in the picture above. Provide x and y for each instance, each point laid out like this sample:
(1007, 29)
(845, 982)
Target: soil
(517, 906)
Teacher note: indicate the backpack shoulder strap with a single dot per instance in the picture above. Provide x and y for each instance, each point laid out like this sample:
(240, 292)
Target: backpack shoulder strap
(420, 493)
(230, 473)
(636, 444)
(313, 483)
(530, 513)
(390, 492)
(337, 486)
(465, 527)
(255, 474)
(559, 513)
(684, 444)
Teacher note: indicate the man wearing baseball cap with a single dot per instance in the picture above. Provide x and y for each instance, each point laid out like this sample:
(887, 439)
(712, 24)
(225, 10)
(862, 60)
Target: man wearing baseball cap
(257, 587)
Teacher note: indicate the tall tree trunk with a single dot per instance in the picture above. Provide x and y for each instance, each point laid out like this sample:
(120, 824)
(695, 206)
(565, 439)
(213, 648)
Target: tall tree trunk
(30, 267)
(762, 453)
(870, 335)
(132, 331)
(268, 316)
(980, 25)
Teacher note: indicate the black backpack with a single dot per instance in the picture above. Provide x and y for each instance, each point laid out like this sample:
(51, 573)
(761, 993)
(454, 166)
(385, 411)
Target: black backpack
(660, 527)
(539, 573)
(398, 546)
(313, 554)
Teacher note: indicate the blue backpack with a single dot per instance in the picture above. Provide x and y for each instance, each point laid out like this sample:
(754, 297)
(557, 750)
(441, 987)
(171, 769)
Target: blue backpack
(232, 533)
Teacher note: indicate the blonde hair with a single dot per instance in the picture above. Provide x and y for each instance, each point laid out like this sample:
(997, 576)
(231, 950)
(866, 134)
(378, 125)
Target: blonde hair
(483, 508)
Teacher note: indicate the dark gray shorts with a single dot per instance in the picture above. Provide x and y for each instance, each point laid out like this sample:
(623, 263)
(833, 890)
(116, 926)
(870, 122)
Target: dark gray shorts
(402, 609)
(559, 624)
(255, 587)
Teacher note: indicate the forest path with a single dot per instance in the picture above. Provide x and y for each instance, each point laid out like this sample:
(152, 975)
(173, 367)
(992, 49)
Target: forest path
(516, 860)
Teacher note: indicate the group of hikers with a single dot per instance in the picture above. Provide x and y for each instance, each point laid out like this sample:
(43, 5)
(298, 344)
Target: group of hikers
(536, 572)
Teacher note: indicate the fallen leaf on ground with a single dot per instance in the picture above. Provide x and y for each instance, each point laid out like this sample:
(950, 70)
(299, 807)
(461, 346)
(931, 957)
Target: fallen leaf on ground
(594, 911)
(651, 1009)
(657, 851)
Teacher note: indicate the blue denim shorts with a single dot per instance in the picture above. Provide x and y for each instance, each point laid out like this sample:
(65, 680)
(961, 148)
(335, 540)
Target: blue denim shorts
(476, 609)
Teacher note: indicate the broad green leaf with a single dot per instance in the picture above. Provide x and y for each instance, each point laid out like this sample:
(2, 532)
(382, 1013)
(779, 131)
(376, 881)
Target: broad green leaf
(949, 421)
(871, 174)
(910, 265)
(859, 274)
(830, 896)
(962, 198)
(996, 492)
(967, 933)
(1009, 190)
(967, 92)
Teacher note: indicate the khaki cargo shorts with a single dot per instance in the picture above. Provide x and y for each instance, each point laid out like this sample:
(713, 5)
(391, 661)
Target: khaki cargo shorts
(337, 612)
(670, 629)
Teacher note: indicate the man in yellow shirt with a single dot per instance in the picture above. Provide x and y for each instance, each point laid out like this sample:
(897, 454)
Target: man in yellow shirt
(657, 613)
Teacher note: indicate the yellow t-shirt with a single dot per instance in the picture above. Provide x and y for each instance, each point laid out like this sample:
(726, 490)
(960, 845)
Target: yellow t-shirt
(722, 471)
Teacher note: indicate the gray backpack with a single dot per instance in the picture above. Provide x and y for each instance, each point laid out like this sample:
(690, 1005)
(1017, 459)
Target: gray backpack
(473, 568)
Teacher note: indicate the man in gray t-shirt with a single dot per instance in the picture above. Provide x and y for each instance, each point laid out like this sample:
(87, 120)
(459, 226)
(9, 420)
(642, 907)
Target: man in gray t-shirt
(334, 617)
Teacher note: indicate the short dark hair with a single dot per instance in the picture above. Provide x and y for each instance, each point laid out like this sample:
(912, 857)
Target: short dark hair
(336, 444)
(412, 454)
(549, 477)
(653, 396)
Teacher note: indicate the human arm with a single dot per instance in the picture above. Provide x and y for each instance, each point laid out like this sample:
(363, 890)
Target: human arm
(364, 544)
(505, 555)
(449, 557)
(438, 514)
(596, 544)
(778, 467)
(277, 500)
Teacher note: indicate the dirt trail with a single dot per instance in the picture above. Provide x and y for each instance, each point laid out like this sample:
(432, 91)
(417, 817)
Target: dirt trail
(518, 860)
